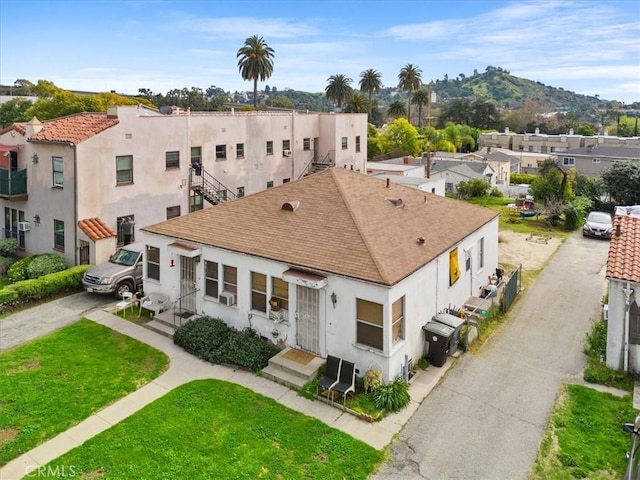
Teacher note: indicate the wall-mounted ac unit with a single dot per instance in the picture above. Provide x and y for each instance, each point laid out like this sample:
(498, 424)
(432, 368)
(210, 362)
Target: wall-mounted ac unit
(227, 298)
(286, 153)
(24, 226)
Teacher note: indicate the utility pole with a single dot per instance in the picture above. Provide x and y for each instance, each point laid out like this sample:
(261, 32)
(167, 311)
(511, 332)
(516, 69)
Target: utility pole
(429, 90)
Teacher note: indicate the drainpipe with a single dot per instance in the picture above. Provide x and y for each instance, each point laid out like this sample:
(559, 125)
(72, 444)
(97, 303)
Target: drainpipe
(293, 143)
(627, 303)
(76, 250)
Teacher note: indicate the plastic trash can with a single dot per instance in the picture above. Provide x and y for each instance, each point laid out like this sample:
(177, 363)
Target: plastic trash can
(454, 322)
(437, 336)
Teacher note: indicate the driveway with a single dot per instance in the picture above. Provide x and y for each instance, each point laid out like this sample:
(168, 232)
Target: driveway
(488, 415)
(36, 321)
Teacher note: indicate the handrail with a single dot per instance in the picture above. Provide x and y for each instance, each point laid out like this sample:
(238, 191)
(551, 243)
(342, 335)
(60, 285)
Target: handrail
(177, 303)
(212, 185)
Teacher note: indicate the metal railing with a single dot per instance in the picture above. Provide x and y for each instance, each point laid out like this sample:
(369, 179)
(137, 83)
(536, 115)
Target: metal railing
(211, 188)
(178, 309)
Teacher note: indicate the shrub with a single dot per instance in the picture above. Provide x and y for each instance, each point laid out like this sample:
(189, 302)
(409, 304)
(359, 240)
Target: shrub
(212, 340)
(571, 218)
(45, 264)
(473, 188)
(8, 247)
(18, 271)
(522, 178)
(5, 263)
(495, 192)
(393, 396)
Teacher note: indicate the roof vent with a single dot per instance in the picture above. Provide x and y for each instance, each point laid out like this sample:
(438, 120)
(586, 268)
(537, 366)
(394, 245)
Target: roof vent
(291, 206)
(421, 241)
(396, 202)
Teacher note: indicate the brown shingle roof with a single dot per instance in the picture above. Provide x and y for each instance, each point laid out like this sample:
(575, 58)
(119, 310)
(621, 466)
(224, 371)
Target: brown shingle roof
(74, 128)
(95, 229)
(623, 262)
(345, 224)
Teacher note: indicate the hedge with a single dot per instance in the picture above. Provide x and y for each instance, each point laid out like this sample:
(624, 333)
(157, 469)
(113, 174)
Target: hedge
(25, 291)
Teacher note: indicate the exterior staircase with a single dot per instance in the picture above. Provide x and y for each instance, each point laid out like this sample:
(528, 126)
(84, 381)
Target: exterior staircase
(165, 323)
(286, 370)
(212, 190)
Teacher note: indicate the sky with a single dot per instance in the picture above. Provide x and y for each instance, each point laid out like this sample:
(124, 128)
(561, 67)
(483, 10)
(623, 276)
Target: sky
(588, 47)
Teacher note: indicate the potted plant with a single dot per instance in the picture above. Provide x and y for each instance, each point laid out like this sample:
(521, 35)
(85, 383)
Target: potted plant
(275, 304)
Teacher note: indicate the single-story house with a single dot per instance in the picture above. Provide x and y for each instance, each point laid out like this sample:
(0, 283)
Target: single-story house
(623, 310)
(336, 263)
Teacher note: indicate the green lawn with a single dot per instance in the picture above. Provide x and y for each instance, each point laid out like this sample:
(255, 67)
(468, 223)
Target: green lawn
(584, 438)
(54, 382)
(210, 429)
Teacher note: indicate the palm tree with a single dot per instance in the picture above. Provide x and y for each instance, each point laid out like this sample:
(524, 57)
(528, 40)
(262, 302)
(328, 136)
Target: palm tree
(357, 104)
(339, 89)
(396, 109)
(409, 79)
(420, 98)
(370, 82)
(255, 62)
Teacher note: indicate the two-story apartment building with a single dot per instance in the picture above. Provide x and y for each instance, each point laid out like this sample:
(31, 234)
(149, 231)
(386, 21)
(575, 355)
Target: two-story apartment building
(67, 185)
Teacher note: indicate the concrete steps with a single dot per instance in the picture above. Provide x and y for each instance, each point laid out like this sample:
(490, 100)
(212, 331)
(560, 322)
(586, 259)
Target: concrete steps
(163, 323)
(291, 373)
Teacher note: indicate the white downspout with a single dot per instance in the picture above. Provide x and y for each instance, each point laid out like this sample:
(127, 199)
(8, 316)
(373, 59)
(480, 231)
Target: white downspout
(627, 303)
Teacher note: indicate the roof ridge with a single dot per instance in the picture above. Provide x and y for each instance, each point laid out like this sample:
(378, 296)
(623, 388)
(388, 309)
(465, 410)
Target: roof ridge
(360, 232)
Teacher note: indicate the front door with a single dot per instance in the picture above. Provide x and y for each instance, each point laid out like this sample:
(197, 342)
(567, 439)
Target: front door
(308, 305)
(187, 284)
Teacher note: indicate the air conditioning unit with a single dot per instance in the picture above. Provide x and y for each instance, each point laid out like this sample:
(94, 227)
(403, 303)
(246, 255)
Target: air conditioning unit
(286, 153)
(24, 226)
(227, 298)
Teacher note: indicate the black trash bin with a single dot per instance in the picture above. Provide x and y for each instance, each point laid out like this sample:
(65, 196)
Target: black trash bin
(454, 322)
(437, 337)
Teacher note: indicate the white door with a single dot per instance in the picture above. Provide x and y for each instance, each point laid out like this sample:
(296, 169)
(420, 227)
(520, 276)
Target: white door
(187, 284)
(308, 323)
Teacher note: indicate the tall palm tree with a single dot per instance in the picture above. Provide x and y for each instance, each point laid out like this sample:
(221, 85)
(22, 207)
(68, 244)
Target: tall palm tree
(255, 62)
(396, 109)
(370, 82)
(409, 79)
(339, 89)
(421, 98)
(357, 104)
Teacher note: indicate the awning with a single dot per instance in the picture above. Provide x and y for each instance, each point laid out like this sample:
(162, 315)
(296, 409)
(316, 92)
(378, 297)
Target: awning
(185, 250)
(304, 279)
(8, 148)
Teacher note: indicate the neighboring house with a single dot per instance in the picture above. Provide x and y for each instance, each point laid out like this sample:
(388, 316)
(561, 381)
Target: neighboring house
(67, 184)
(456, 171)
(623, 273)
(592, 160)
(432, 185)
(358, 265)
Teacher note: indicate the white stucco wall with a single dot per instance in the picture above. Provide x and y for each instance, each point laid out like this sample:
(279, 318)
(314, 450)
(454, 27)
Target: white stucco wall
(615, 327)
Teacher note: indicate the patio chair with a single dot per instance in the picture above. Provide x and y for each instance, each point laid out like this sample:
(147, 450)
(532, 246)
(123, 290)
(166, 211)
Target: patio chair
(126, 302)
(346, 381)
(154, 302)
(331, 376)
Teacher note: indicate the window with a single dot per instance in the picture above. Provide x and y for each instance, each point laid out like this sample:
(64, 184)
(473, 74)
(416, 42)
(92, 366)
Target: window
(306, 144)
(634, 323)
(269, 147)
(58, 235)
(240, 150)
(369, 323)
(124, 169)
(221, 152)
(211, 279)
(286, 180)
(240, 192)
(153, 262)
(196, 155)
(568, 161)
(172, 160)
(173, 212)
(258, 292)
(270, 184)
(230, 279)
(280, 290)
(596, 160)
(358, 143)
(397, 320)
(345, 143)
(481, 253)
(58, 177)
(286, 146)
(126, 230)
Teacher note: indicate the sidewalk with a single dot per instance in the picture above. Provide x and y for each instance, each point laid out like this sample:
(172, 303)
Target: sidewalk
(183, 368)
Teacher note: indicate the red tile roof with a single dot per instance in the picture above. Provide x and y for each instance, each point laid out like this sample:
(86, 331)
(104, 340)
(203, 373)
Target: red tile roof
(95, 229)
(346, 223)
(623, 262)
(74, 128)
(17, 127)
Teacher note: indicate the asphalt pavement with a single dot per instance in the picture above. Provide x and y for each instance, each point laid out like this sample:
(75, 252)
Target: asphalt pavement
(487, 416)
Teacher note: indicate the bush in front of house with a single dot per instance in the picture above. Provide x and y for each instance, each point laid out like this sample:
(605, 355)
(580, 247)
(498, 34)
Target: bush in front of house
(392, 396)
(8, 247)
(25, 291)
(5, 263)
(214, 341)
(45, 264)
(18, 271)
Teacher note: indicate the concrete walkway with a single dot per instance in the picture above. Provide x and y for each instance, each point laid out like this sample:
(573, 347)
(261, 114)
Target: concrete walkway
(184, 368)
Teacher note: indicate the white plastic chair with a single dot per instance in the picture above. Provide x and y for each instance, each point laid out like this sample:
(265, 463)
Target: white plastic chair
(126, 302)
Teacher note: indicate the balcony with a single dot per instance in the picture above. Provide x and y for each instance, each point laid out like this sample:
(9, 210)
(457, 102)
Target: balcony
(13, 185)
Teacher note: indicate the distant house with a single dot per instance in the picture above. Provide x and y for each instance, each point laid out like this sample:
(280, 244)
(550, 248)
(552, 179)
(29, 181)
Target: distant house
(623, 273)
(592, 160)
(336, 263)
(456, 171)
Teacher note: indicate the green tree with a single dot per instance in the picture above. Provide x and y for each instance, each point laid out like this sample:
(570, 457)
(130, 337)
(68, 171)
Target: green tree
(409, 79)
(370, 82)
(400, 138)
(282, 102)
(396, 109)
(473, 188)
(586, 130)
(420, 97)
(338, 89)
(255, 62)
(357, 104)
(14, 110)
(373, 142)
(622, 182)
(457, 111)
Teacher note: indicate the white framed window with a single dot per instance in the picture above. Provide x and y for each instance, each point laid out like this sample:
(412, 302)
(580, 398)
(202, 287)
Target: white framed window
(280, 291)
(124, 169)
(211, 284)
(369, 324)
(58, 235)
(153, 262)
(239, 150)
(306, 144)
(345, 143)
(397, 320)
(172, 159)
(221, 152)
(230, 279)
(269, 147)
(568, 161)
(258, 292)
(58, 173)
